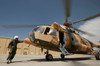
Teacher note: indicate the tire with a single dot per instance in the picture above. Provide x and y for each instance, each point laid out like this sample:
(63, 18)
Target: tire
(49, 57)
(97, 55)
(62, 56)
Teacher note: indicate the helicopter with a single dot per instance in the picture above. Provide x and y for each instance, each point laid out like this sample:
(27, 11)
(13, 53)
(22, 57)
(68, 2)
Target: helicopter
(61, 38)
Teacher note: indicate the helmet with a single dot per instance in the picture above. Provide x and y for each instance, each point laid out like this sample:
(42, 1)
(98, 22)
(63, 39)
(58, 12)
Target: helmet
(16, 37)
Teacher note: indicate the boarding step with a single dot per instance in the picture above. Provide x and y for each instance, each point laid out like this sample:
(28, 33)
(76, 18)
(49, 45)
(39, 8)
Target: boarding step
(64, 51)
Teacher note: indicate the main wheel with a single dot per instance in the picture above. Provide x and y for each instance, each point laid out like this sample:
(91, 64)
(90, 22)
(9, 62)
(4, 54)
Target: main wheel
(49, 57)
(62, 56)
(97, 55)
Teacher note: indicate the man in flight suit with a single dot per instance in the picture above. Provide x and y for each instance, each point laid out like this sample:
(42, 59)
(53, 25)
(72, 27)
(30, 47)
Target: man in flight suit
(12, 47)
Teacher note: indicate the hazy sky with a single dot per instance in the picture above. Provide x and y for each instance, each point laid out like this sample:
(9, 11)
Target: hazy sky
(39, 12)
(92, 26)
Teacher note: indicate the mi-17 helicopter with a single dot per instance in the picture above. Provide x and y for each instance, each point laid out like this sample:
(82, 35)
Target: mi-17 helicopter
(61, 38)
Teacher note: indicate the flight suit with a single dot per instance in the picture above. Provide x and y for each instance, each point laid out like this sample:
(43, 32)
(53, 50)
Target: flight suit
(61, 38)
(12, 49)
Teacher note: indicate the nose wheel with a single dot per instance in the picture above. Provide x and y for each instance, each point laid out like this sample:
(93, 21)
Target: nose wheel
(49, 57)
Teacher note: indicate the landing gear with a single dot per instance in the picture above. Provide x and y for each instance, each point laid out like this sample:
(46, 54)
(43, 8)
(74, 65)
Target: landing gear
(62, 56)
(49, 57)
(97, 55)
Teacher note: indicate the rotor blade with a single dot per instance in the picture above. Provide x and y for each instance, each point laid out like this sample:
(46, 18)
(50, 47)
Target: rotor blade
(87, 18)
(67, 9)
(18, 26)
(82, 31)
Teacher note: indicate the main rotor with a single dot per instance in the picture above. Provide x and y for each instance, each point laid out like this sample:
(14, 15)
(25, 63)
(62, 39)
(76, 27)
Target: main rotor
(67, 9)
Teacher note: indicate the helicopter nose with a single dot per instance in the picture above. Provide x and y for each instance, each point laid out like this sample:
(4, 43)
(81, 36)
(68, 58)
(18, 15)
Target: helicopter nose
(32, 36)
(27, 40)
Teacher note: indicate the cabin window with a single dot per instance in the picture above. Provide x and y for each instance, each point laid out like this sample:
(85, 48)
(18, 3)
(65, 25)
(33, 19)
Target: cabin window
(81, 42)
(39, 29)
(52, 32)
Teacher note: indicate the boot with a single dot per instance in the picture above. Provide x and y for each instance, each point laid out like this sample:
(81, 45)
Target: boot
(8, 62)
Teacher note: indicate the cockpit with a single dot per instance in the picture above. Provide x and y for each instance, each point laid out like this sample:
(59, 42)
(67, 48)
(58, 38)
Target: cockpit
(43, 31)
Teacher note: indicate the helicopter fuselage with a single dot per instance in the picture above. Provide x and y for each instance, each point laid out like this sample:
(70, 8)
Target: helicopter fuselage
(47, 37)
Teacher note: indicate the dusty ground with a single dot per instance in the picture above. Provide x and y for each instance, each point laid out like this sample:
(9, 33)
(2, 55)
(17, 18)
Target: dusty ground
(39, 60)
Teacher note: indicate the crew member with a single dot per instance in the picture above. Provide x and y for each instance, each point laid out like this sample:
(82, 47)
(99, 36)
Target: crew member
(12, 47)
(61, 39)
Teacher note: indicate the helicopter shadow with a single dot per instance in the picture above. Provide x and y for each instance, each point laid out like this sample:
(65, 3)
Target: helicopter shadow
(55, 59)
(63, 60)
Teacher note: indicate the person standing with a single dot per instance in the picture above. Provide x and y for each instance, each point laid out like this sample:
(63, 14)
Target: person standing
(12, 47)
(61, 39)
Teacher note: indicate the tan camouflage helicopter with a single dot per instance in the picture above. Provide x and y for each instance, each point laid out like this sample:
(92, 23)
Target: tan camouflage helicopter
(61, 38)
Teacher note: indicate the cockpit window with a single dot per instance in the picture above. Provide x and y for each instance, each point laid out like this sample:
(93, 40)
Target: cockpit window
(35, 29)
(39, 29)
(52, 32)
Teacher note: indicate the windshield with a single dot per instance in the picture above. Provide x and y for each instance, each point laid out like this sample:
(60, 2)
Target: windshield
(39, 29)
(52, 32)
